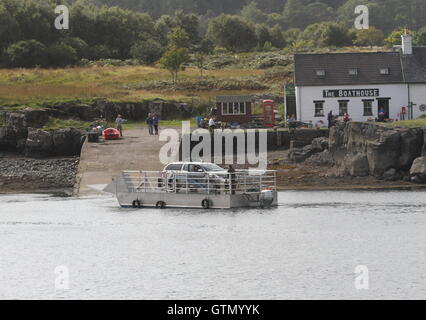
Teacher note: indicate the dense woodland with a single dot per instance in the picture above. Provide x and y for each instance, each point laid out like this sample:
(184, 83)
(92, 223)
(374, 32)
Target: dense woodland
(170, 31)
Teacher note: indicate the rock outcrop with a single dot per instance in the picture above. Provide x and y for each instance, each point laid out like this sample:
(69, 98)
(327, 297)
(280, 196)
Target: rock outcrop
(424, 143)
(418, 170)
(39, 143)
(369, 149)
(22, 133)
(318, 145)
(64, 142)
(361, 149)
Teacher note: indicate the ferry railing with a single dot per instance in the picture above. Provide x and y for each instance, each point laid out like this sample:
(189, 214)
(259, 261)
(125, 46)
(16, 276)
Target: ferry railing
(239, 182)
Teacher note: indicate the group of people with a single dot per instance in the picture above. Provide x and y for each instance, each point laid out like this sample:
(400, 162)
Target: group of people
(152, 122)
(382, 115)
(331, 118)
(290, 119)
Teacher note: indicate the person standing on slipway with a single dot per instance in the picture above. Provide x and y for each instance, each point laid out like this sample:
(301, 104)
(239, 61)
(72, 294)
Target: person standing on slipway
(330, 119)
(212, 125)
(155, 123)
(150, 124)
(119, 124)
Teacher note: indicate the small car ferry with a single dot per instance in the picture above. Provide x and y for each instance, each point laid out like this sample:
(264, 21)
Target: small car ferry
(195, 185)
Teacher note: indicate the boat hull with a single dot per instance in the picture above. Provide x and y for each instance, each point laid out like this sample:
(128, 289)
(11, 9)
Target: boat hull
(191, 200)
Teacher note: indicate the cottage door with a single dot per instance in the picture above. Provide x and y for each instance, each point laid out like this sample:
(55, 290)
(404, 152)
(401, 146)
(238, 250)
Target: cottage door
(383, 106)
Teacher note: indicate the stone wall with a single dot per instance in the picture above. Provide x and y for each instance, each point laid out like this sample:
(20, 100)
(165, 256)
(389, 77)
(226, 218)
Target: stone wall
(277, 140)
(108, 110)
(23, 134)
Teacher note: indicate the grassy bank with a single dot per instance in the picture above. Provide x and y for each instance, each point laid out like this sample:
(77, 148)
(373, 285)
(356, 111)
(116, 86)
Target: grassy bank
(128, 83)
(56, 124)
(224, 74)
(420, 122)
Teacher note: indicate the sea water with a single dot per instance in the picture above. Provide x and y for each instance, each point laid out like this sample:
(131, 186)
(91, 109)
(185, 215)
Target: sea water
(315, 245)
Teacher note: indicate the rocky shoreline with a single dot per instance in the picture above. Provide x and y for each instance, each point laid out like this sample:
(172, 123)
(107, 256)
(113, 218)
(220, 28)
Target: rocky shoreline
(356, 156)
(19, 174)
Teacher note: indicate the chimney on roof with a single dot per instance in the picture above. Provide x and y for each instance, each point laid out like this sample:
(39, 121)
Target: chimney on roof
(407, 43)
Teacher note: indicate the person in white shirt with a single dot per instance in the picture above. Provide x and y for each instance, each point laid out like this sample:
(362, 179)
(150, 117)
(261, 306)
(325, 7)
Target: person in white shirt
(212, 124)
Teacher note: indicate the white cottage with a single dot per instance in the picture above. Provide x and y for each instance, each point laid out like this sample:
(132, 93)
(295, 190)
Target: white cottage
(362, 84)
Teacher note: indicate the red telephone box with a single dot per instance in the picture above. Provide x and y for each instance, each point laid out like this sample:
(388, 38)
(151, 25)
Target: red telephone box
(268, 113)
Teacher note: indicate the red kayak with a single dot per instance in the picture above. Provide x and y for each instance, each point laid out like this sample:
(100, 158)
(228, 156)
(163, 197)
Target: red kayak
(111, 134)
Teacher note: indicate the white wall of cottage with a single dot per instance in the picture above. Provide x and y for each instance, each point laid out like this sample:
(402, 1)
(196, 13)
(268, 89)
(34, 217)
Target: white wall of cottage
(418, 97)
(398, 94)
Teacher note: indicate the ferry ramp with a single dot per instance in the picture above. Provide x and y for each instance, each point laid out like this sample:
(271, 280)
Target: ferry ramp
(101, 161)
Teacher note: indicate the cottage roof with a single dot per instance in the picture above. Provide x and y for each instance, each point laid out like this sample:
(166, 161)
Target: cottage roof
(360, 68)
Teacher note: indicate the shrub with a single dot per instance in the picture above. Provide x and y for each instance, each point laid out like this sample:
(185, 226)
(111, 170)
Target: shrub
(99, 52)
(206, 46)
(79, 45)
(61, 55)
(26, 54)
(147, 52)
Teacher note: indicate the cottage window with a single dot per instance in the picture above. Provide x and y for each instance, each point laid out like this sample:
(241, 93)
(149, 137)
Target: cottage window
(368, 108)
(225, 108)
(234, 108)
(343, 108)
(384, 71)
(319, 108)
(353, 72)
(320, 73)
(242, 108)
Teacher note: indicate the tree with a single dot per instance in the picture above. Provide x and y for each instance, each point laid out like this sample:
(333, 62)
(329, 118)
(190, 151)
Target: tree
(328, 34)
(369, 37)
(232, 32)
(337, 34)
(394, 38)
(200, 61)
(189, 23)
(420, 37)
(301, 13)
(148, 51)
(206, 46)
(119, 29)
(27, 54)
(253, 13)
(178, 38)
(162, 28)
(277, 37)
(99, 52)
(173, 60)
(292, 35)
(8, 28)
(262, 34)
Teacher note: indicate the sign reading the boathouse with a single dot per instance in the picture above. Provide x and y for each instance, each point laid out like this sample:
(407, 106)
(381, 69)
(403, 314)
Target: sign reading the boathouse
(351, 93)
